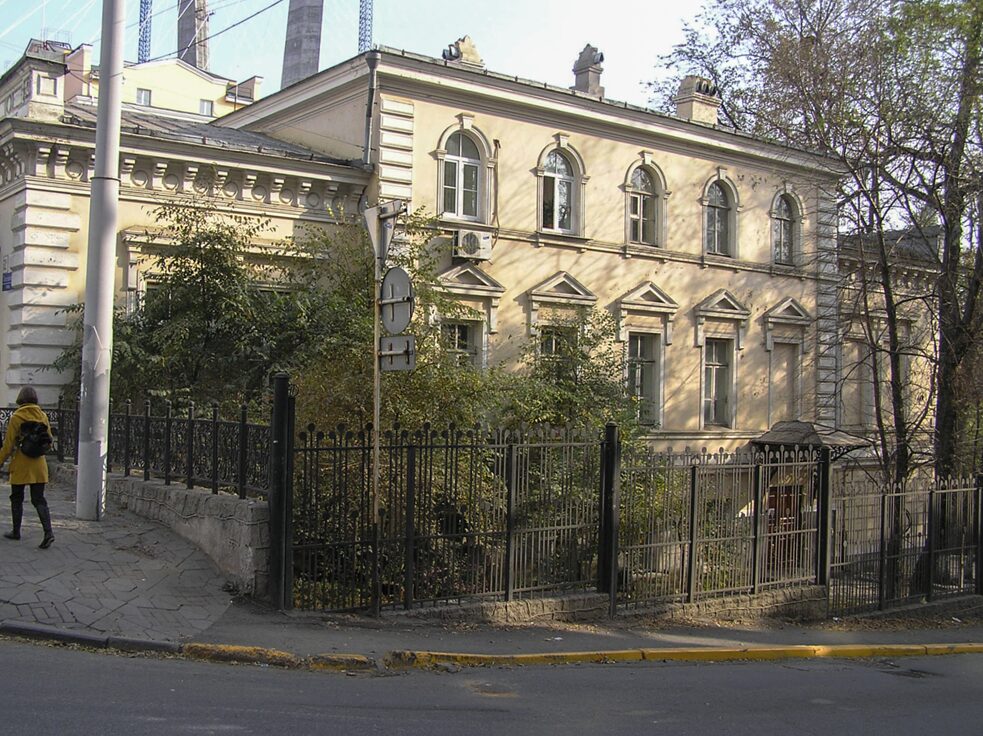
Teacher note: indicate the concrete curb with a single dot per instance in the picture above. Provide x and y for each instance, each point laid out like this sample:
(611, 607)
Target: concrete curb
(425, 660)
(31, 630)
(276, 658)
(429, 660)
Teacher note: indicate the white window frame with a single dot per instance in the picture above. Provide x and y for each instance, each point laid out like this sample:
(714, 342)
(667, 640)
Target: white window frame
(659, 195)
(460, 164)
(795, 222)
(657, 401)
(206, 107)
(552, 183)
(486, 172)
(476, 349)
(141, 93)
(730, 384)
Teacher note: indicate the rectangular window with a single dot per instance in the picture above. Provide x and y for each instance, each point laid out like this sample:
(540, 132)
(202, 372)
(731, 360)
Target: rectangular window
(784, 382)
(469, 191)
(206, 107)
(717, 377)
(642, 217)
(143, 97)
(644, 373)
(549, 197)
(565, 210)
(450, 187)
(717, 236)
(556, 350)
(462, 340)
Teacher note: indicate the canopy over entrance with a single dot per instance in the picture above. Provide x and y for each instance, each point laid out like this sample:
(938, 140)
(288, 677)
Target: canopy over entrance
(810, 435)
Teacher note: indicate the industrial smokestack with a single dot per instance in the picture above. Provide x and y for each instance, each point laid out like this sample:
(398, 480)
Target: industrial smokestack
(192, 33)
(302, 46)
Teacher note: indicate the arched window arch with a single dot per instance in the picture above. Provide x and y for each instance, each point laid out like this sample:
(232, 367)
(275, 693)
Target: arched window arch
(645, 205)
(561, 186)
(462, 182)
(784, 233)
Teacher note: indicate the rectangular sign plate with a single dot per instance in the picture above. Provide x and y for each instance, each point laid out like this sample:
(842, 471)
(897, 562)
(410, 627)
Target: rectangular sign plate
(397, 353)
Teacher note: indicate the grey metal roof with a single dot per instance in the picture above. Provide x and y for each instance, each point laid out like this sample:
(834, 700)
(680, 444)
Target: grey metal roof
(192, 128)
(810, 435)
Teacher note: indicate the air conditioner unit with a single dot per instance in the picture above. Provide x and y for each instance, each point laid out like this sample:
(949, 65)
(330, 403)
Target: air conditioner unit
(473, 244)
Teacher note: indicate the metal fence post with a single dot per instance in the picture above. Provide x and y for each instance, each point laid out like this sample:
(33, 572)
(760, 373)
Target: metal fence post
(278, 437)
(146, 439)
(288, 506)
(127, 423)
(410, 550)
(61, 428)
(933, 522)
(76, 418)
(693, 535)
(510, 482)
(214, 447)
(979, 533)
(825, 503)
(610, 487)
(756, 539)
(882, 556)
(243, 438)
(189, 474)
(109, 440)
(167, 442)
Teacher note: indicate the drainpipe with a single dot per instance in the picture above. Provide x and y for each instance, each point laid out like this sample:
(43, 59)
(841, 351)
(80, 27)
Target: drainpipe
(372, 59)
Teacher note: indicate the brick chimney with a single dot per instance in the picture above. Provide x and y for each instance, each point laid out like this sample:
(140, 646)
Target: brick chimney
(697, 100)
(587, 71)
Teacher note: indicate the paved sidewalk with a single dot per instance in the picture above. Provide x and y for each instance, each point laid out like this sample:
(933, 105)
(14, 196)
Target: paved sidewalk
(130, 583)
(122, 576)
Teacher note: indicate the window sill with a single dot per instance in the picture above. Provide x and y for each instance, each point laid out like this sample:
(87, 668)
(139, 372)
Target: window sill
(452, 222)
(556, 237)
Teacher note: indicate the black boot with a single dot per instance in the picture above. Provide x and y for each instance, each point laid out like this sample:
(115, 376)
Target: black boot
(17, 513)
(45, 516)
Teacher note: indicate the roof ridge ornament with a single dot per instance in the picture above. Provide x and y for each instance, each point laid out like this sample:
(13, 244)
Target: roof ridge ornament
(463, 51)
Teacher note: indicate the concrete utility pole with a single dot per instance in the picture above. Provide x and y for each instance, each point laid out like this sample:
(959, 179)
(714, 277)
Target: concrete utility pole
(100, 273)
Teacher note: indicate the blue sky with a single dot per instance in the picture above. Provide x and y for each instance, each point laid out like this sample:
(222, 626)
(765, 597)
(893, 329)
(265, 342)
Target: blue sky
(536, 39)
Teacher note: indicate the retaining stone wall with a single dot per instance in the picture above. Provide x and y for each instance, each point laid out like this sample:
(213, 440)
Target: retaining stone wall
(233, 532)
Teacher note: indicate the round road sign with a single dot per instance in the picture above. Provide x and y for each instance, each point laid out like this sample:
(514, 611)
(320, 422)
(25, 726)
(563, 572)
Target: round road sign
(396, 301)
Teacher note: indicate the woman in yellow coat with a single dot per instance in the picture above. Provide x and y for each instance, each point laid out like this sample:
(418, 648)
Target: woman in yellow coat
(24, 470)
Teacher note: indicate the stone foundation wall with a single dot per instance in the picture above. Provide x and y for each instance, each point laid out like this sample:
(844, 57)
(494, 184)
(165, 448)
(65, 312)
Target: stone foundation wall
(233, 532)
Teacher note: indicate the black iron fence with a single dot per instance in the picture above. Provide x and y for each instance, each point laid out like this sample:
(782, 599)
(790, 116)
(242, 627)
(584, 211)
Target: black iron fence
(198, 450)
(469, 513)
(699, 524)
(918, 542)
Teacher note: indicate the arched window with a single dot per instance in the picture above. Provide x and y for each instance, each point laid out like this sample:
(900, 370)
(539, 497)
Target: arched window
(558, 193)
(717, 233)
(783, 230)
(462, 177)
(642, 208)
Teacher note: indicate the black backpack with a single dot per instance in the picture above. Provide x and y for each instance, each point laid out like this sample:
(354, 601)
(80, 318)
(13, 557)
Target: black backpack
(35, 439)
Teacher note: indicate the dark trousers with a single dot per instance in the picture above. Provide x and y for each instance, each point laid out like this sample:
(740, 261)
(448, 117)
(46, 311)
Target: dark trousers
(37, 500)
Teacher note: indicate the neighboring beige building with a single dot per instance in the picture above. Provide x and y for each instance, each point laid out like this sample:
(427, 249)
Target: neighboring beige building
(47, 141)
(715, 251)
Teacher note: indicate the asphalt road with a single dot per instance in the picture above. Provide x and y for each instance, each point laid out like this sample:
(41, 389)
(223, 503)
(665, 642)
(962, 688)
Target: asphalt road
(56, 690)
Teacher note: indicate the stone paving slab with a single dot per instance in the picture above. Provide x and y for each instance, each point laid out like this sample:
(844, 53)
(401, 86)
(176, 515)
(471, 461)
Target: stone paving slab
(122, 576)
